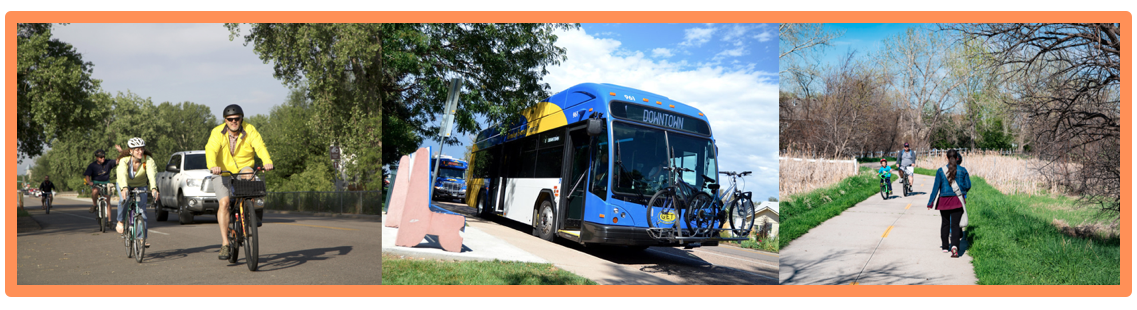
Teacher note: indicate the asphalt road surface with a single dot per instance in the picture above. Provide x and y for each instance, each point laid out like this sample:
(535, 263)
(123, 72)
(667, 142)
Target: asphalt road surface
(294, 249)
(711, 265)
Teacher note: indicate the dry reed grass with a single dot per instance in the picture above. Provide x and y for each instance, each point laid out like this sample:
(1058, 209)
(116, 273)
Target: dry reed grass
(798, 173)
(1084, 230)
(1009, 174)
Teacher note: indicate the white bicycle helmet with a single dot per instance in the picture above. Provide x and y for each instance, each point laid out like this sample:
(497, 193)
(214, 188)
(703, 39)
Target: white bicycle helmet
(135, 142)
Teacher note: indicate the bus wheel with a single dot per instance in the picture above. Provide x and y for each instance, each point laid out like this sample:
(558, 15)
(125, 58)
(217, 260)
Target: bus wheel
(545, 222)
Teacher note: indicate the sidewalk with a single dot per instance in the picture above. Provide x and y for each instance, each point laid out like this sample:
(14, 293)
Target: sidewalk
(878, 242)
(476, 245)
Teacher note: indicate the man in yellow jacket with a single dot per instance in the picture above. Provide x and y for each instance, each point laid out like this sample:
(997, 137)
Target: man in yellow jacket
(231, 147)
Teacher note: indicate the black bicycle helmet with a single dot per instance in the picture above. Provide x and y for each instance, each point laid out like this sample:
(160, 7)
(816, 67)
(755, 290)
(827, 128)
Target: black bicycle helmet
(100, 153)
(233, 109)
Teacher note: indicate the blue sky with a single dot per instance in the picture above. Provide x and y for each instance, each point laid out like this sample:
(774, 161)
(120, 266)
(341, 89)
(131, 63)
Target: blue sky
(865, 39)
(728, 71)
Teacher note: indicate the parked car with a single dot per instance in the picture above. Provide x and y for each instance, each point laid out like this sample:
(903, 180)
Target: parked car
(185, 188)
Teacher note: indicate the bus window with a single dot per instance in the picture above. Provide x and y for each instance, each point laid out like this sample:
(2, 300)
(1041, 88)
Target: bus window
(550, 154)
(600, 167)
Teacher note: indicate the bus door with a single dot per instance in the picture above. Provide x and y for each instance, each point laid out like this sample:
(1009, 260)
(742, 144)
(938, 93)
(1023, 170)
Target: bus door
(575, 176)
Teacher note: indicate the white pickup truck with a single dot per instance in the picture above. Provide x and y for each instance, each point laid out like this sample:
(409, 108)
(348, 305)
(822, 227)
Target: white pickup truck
(185, 189)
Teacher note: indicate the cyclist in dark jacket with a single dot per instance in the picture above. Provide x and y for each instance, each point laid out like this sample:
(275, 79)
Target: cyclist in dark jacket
(46, 187)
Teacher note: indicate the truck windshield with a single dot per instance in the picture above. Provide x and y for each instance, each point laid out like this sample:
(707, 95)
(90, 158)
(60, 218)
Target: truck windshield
(195, 162)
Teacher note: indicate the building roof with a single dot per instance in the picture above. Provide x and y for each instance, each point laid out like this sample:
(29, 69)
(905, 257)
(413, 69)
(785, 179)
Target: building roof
(773, 206)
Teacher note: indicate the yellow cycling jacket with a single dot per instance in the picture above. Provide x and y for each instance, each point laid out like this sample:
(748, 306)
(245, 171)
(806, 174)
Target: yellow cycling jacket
(217, 149)
(144, 176)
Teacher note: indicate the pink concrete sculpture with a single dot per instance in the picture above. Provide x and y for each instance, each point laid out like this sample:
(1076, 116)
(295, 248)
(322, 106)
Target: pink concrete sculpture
(398, 193)
(416, 220)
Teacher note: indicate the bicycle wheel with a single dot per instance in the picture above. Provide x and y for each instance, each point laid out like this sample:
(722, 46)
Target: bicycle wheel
(741, 217)
(663, 210)
(251, 255)
(139, 238)
(700, 215)
(129, 238)
(883, 194)
(102, 209)
(234, 236)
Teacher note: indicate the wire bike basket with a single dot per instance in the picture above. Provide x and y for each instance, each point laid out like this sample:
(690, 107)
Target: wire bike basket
(248, 188)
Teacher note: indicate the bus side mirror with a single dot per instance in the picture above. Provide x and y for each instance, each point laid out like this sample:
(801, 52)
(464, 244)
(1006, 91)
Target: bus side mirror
(595, 126)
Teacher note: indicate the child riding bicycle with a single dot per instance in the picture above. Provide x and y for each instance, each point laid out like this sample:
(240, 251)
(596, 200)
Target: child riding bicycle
(885, 172)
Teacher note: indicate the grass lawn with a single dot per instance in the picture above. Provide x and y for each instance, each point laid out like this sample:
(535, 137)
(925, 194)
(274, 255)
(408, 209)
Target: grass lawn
(804, 211)
(22, 213)
(1013, 241)
(400, 271)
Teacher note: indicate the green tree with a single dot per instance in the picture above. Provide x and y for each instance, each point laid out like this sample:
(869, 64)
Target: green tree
(367, 77)
(53, 89)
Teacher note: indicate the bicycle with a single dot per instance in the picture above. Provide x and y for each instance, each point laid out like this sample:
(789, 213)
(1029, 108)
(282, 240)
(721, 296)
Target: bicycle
(103, 207)
(907, 186)
(134, 232)
(242, 216)
(739, 212)
(883, 187)
(669, 202)
(45, 200)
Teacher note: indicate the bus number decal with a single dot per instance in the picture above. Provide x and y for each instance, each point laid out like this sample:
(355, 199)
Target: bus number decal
(629, 97)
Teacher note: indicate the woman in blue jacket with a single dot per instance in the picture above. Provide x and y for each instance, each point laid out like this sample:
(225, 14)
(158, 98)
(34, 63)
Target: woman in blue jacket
(950, 206)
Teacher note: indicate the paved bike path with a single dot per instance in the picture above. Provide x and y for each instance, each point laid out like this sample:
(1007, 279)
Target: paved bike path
(877, 242)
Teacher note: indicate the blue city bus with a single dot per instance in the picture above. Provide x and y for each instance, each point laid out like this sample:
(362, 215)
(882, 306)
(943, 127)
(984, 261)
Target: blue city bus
(450, 183)
(583, 164)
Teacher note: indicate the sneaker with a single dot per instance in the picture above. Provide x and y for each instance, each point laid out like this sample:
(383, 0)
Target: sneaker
(224, 252)
(92, 210)
(118, 227)
(954, 252)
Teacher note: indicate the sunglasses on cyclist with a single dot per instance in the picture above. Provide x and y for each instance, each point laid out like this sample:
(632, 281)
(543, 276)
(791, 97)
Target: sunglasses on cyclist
(233, 119)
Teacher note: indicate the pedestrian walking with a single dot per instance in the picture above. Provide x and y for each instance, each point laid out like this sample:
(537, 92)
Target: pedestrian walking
(949, 193)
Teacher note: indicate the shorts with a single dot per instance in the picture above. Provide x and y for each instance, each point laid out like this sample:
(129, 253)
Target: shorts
(221, 184)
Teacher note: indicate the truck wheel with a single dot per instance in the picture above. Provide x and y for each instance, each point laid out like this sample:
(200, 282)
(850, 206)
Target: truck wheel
(185, 217)
(160, 213)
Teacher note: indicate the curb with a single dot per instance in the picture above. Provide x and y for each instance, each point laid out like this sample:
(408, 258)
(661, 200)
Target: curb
(369, 217)
(27, 224)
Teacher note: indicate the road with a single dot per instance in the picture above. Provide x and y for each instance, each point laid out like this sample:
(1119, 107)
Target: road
(721, 265)
(294, 249)
(878, 242)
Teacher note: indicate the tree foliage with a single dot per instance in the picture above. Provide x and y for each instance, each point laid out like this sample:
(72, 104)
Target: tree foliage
(1066, 82)
(53, 90)
(365, 76)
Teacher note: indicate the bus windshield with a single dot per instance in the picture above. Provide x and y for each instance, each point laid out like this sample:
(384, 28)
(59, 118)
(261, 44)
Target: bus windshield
(452, 173)
(641, 154)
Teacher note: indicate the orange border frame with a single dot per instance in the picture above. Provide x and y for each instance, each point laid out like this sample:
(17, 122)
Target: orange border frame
(1125, 289)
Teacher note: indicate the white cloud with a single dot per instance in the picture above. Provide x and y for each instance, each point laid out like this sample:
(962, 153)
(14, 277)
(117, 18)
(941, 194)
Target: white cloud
(661, 53)
(740, 103)
(735, 32)
(735, 52)
(697, 36)
(766, 36)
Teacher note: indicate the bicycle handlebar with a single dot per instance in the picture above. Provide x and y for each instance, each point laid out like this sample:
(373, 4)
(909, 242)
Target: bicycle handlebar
(230, 173)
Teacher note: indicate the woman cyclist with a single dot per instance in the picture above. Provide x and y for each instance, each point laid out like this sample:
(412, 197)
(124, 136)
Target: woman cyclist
(136, 170)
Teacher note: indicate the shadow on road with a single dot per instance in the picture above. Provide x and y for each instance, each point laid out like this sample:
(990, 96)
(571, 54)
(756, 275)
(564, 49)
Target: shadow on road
(296, 258)
(170, 255)
(891, 272)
